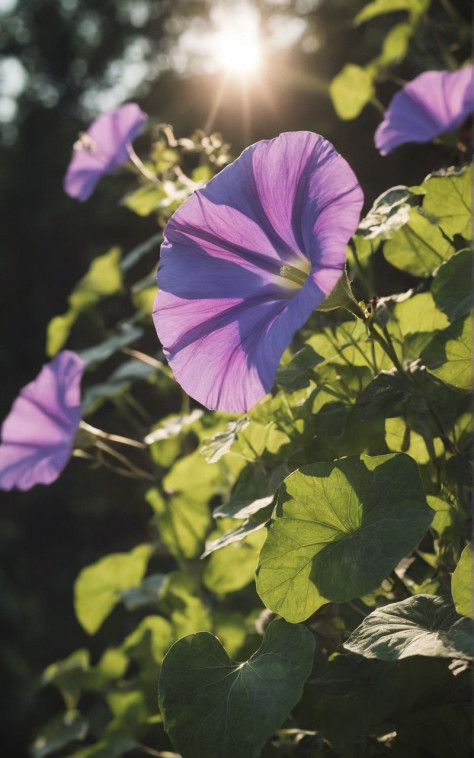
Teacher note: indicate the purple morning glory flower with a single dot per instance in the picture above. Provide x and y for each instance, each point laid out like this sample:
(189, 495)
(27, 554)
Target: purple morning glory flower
(103, 149)
(39, 431)
(433, 103)
(247, 259)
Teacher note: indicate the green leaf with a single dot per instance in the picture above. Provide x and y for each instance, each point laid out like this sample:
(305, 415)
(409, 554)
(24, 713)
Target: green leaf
(395, 45)
(145, 200)
(419, 314)
(97, 588)
(421, 625)
(448, 355)
(341, 297)
(461, 583)
(443, 518)
(295, 374)
(386, 395)
(68, 676)
(147, 592)
(103, 278)
(401, 439)
(214, 707)
(249, 526)
(339, 529)
(215, 447)
(253, 491)
(182, 522)
(59, 732)
(130, 713)
(390, 211)
(233, 567)
(415, 8)
(419, 247)
(151, 639)
(448, 201)
(187, 611)
(451, 286)
(351, 90)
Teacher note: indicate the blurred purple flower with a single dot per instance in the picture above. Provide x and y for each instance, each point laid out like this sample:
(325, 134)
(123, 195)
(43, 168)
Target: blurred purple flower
(38, 433)
(247, 259)
(103, 149)
(433, 103)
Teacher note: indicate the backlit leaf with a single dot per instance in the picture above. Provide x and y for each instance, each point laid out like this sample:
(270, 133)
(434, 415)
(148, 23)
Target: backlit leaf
(461, 583)
(419, 247)
(339, 529)
(451, 286)
(351, 90)
(97, 588)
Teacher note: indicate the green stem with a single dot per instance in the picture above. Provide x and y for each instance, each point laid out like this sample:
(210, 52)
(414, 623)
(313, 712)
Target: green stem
(144, 171)
(111, 437)
(149, 360)
(133, 470)
(386, 346)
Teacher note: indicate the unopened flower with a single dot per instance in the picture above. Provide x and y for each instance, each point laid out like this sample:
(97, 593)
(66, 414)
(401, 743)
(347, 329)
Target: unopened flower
(39, 431)
(103, 149)
(433, 103)
(247, 259)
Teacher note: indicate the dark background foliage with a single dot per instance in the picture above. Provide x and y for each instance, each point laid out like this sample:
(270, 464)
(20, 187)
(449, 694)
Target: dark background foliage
(77, 56)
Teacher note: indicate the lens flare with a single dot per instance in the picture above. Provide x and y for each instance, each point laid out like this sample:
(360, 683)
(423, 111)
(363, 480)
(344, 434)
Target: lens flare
(235, 43)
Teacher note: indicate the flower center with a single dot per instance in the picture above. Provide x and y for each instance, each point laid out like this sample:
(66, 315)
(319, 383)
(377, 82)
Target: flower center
(296, 274)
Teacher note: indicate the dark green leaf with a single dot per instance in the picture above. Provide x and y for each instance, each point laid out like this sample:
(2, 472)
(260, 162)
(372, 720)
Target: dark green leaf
(385, 396)
(421, 625)
(60, 732)
(147, 592)
(214, 707)
(352, 695)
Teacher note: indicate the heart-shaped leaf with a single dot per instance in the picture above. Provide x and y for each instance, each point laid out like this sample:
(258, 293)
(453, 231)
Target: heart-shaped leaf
(214, 707)
(461, 583)
(421, 625)
(339, 529)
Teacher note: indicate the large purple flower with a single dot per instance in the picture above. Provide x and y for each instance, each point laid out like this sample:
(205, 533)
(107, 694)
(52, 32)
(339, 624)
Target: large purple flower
(103, 149)
(246, 260)
(39, 431)
(433, 103)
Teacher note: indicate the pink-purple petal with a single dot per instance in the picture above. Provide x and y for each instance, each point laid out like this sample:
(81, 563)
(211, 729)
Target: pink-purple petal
(225, 311)
(39, 431)
(109, 139)
(433, 103)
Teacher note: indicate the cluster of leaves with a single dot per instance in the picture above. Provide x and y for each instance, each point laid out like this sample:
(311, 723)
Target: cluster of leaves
(404, 26)
(339, 504)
